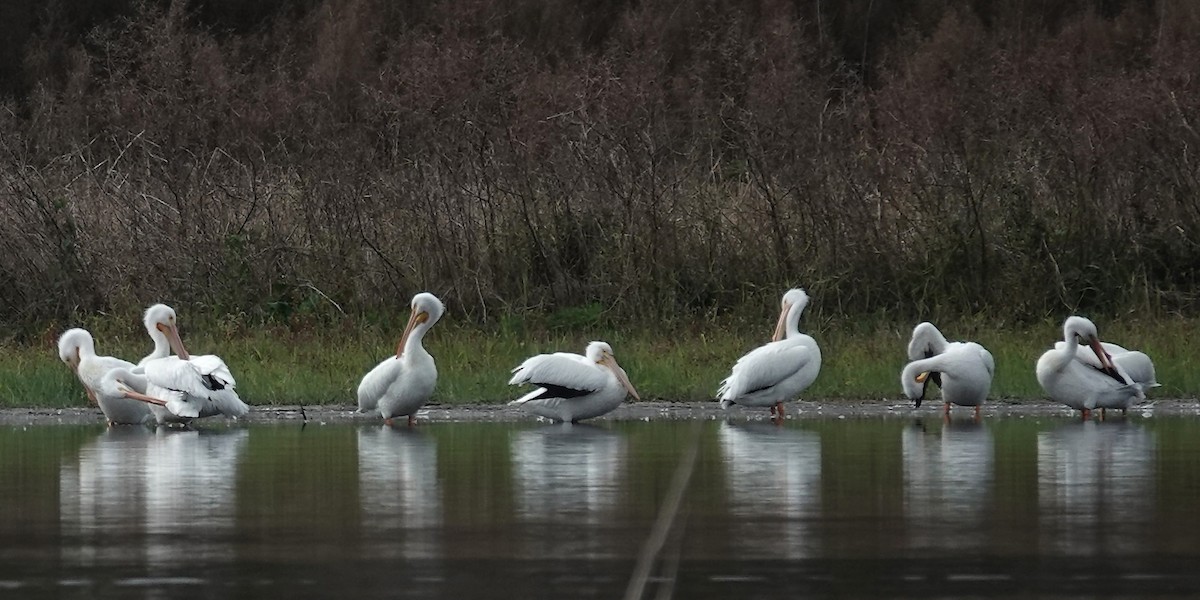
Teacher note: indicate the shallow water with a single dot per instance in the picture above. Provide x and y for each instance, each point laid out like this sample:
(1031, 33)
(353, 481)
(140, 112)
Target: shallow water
(858, 507)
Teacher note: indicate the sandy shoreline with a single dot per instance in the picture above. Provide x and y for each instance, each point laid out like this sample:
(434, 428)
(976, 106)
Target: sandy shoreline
(640, 411)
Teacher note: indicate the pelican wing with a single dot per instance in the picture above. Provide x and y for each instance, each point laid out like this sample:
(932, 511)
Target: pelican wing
(989, 363)
(214, 370)
(201, 378)
(764, 367)
(1139, 367)
(1086, 357)
(377, 381)
(562, 370)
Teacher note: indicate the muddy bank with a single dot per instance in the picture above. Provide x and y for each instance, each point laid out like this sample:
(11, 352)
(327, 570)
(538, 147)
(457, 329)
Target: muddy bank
(641, 411)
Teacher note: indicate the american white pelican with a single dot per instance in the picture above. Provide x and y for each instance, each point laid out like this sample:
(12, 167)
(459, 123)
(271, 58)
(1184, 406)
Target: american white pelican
(772, 374)
(571, 387)
(205, 380)
(77, 349)
(121, 394)
(927, 341)
(1081, 381)
(401, 384)
(963, 370)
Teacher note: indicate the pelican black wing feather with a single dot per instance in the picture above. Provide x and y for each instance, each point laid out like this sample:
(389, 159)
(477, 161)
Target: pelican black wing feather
(559, 391)
(1114, 374)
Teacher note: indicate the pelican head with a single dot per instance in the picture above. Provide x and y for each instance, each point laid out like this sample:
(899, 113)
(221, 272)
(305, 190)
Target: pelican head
(794, 302)
(72, 343)
(602, 354)
(912, 380)
(1078, 330)
(160, 322)
(426, 310)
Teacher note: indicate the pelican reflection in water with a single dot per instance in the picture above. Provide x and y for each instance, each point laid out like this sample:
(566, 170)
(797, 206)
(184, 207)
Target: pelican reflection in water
(948, 481)
(568, 474)
(774, 482)
(399, 491)
(1095, 485)
(102, 497)
(133, 488)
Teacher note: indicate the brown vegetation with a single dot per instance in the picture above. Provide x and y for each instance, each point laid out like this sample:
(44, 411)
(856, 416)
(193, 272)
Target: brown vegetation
(919, 157)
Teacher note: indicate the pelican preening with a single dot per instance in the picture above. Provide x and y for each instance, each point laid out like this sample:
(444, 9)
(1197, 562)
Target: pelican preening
(169, 388)
(403, 383)
(205, 384)
(963, 370)
(77, 349)
(777, 372)
(1084, 381)
(927, 341)
(571, 387)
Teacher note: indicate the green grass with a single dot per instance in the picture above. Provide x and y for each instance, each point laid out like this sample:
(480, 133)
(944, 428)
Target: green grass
(275, 365)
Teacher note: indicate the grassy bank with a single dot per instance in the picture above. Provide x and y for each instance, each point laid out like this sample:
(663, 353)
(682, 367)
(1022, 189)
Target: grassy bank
(323, 365)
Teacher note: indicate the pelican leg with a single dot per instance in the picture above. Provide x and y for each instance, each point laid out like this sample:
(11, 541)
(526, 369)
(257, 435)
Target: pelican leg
(1087, 414)
(777, 410)
(412, 420)
(946, 409)
(1103, 413)
(977, 407)
(388, 421)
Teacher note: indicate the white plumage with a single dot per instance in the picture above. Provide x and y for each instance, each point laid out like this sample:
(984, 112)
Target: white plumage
(927, 340)
(964, 370)
(571, 387)
(122, 396)
(1082, 381)
(207, 385)
(77, 349)
(779, 371)
(1135, 364)
(403, 383)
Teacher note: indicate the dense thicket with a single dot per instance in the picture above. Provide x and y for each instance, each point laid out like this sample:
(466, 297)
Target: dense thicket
(916, 157)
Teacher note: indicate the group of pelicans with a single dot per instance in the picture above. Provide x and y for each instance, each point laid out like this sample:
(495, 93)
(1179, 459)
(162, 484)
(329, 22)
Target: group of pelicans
(1080, 371)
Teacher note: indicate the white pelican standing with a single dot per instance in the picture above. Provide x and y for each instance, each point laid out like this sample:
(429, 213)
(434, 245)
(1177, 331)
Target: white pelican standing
(403, 383)
(963, 370)
(205, 381)
(776, 372)
(571, 387)
(1081, 381)
(77, 349)
(926, 342)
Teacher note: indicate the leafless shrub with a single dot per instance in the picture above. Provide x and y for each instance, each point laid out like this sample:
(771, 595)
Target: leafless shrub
(660, 160)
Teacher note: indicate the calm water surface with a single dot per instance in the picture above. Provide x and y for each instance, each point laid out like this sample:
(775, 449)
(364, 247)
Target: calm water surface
(880, 507)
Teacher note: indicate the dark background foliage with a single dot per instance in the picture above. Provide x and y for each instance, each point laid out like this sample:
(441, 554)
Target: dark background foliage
(910, 158)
